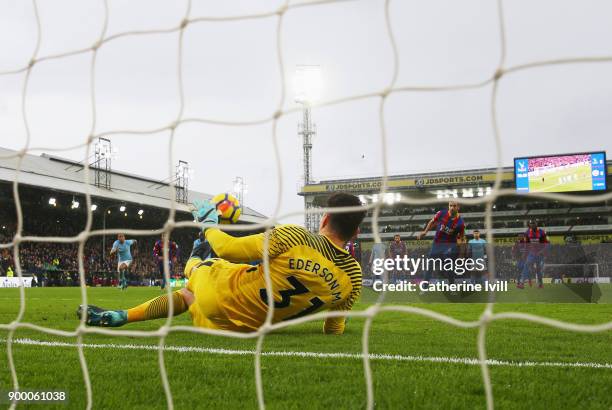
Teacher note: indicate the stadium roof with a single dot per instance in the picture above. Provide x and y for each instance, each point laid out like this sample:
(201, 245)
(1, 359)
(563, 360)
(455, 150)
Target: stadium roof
(61, 174)
(416, 180)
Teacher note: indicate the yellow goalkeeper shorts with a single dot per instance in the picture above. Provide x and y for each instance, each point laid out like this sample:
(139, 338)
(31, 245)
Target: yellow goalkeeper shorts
(209, 283)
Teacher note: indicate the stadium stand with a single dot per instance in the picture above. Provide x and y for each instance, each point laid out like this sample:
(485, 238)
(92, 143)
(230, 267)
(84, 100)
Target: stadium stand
(55, 264)
(579, 234)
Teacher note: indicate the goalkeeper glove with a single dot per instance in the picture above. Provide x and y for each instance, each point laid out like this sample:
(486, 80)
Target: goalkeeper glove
(205, 213)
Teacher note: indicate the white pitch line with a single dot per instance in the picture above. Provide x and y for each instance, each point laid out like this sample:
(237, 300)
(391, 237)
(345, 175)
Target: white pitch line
(318, 355)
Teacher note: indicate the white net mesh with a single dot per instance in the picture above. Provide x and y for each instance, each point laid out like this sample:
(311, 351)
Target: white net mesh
(276, 16)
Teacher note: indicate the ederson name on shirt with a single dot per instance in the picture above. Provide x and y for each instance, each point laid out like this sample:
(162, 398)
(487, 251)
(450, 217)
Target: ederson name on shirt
(321, 271)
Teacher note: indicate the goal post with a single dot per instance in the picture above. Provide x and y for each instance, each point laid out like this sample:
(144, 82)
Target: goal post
(489, 82)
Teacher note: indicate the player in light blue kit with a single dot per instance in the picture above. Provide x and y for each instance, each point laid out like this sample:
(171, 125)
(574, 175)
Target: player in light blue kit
(477, 248)
(198, 240)
(124, 258)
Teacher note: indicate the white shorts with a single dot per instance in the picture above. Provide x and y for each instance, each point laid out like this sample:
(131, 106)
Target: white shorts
(127, 263)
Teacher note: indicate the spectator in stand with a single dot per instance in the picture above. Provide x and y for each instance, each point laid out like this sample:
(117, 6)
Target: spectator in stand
(5, 261)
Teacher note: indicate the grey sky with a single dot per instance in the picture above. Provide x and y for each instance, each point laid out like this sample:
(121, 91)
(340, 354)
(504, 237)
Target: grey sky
(231, 73)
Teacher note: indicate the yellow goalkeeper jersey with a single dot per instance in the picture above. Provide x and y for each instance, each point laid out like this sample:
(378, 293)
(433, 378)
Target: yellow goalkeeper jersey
(309, 274)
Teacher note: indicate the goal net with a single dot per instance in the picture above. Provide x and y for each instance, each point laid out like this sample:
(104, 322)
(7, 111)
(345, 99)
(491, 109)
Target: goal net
(276, 17)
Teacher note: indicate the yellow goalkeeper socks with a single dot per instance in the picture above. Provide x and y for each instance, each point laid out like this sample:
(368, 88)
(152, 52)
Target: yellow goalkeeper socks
(157, 308)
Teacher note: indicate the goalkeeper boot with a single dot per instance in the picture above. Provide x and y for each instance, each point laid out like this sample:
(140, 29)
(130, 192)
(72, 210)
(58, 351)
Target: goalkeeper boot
(104, 318)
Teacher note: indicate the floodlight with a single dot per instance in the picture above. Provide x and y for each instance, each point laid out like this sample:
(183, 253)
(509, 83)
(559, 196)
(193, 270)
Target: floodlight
(94, 207)
(104, 150)
(75, 204)
(122, 208)
(52, 201)
(389, 198)
(237, 186)
(140, 212)
(182, 168)
(307, 83)
(468, 193)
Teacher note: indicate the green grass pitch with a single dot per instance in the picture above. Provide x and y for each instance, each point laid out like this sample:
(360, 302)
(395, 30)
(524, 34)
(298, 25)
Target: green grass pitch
(552, 180)
(129, 378)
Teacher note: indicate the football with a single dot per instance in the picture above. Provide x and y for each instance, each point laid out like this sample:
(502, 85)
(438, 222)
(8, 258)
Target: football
(229, 208)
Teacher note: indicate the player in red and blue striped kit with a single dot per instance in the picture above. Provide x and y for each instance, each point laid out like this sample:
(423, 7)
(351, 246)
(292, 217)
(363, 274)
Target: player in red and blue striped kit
(519, 253)
(158, 254)
(449, 228)
(537, 245)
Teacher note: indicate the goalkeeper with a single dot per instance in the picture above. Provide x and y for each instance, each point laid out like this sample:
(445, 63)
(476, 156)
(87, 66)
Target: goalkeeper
(309, 273)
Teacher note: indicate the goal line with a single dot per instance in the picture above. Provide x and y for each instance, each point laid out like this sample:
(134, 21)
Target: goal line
(314, 355)
(490, 80)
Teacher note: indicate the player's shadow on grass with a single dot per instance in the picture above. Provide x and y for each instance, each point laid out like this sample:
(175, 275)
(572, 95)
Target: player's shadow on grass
(587, 292)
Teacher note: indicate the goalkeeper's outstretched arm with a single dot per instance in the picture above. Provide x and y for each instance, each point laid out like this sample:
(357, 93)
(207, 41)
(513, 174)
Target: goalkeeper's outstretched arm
(243, 249)
(335, 325)
(235, 249)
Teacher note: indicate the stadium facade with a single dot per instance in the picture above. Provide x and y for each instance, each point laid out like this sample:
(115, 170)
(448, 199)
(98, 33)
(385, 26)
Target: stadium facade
(50, 176)
(589, 223)
(53, 204)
